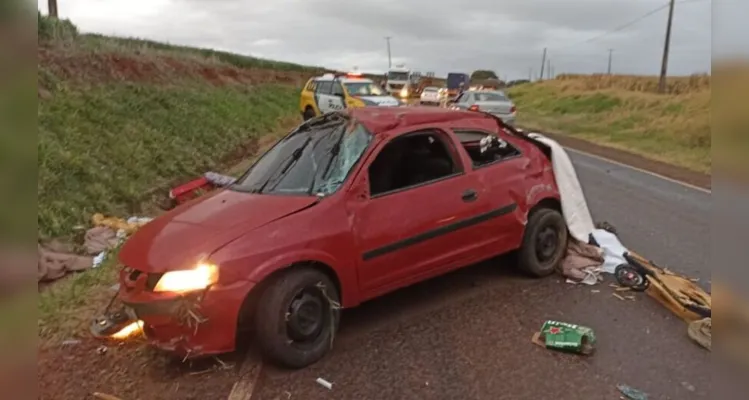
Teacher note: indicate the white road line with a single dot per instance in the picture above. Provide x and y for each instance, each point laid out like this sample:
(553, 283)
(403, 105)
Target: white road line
(610, 161)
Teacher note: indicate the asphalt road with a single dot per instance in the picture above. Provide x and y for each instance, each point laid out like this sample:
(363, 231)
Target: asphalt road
(467, 335)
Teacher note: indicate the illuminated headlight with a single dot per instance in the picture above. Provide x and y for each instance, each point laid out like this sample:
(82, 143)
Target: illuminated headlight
(404, 92)
(198, 278)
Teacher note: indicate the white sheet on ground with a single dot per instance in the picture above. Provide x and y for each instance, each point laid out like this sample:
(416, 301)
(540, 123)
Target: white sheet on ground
(574, 206)
(613, 250)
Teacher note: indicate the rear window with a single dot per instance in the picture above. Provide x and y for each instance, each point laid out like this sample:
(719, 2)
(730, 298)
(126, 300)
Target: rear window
(431, 89)
(495, 96)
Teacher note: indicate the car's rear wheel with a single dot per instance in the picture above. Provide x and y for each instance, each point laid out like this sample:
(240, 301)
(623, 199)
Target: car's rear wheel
(297, 318)
(544, 243)
(309, 113)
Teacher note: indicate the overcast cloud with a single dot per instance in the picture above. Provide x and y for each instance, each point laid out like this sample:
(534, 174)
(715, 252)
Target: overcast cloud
(507, 36)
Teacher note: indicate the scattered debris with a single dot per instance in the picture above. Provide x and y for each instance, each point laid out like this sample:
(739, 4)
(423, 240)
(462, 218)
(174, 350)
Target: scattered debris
(101, 349)
(71, 342)
(613, 250)
(595, 291)
(219, 179)
(622, 289)
(618, 297)
(701, 331)
(195, 188)
(566, 337)
(582, 263)
(56, 260)
(632, 393)
(324, 383)
(677, 293)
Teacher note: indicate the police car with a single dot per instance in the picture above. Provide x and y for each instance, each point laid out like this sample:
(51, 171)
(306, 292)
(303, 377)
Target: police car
(332, 92)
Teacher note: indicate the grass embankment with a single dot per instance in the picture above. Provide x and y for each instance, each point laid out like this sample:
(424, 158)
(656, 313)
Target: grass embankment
(122, 120)
(625, 112)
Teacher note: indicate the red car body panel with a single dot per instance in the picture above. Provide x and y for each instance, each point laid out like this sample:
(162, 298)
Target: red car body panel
(372, 245)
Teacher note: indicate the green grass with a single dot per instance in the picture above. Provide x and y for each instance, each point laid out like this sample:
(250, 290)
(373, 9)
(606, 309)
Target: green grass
(672, 128)
(110, 136)
(98, 43)
(102, 148)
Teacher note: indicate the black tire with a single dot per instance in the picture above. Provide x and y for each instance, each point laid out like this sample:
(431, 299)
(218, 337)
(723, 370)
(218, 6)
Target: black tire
(628, 276)
(309, 113)
(544, 243)
(275, 318)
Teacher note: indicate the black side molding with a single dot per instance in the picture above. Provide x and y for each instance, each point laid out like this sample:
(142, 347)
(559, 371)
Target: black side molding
(443, 230)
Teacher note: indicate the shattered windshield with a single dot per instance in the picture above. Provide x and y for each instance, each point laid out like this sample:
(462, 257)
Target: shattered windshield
(310, 161)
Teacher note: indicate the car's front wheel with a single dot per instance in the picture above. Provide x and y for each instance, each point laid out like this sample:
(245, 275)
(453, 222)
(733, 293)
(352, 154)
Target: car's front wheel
(297, 318)
(544, 242)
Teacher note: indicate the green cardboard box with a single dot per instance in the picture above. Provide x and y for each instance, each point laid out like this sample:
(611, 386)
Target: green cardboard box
(566, 337)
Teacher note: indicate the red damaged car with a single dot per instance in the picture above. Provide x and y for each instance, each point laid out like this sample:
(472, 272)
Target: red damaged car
(347, 207)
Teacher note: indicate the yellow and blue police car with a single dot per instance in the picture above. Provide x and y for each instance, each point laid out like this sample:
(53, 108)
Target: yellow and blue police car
(332, 92)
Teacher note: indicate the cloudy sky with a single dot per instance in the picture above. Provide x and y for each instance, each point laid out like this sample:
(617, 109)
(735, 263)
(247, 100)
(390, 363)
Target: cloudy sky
(507, 36)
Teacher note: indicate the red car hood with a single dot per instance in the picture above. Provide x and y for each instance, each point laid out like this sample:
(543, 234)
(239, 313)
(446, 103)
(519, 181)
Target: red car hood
(178, 239)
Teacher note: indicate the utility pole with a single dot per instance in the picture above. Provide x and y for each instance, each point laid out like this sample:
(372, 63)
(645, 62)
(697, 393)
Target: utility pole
(610, 54)
(667, 44)
(52, 8)
(543, 65)
(390, 60)
(548, 69)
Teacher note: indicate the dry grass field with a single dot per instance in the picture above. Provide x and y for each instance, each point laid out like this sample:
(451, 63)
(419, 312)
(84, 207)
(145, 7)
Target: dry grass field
(626, 112)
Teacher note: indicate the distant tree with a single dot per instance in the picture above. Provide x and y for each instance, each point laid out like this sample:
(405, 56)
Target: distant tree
(482, 74)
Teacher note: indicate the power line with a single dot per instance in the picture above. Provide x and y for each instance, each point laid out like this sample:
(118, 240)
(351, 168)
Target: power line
(632, 22)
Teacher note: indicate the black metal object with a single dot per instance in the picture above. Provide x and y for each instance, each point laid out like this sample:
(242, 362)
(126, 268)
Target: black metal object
(631, 277)
(110, 323)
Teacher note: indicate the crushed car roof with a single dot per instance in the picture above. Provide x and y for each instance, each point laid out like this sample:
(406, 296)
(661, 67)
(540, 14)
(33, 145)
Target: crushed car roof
(382, 119)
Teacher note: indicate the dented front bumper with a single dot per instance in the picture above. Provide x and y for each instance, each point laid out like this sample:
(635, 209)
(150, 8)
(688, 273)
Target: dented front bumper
(190, 325)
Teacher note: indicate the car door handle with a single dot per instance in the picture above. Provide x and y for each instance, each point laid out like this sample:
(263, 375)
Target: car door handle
(470, 195)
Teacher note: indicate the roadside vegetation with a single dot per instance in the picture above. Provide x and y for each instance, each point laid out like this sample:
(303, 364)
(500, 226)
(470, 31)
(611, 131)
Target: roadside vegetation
(120, 121)
(625, 112)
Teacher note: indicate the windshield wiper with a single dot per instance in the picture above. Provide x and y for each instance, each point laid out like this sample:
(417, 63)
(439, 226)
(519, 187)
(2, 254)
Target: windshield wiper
(333, 154)
(295, 156)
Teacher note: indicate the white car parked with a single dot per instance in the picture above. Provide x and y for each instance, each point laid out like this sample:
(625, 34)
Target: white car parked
(431, 95)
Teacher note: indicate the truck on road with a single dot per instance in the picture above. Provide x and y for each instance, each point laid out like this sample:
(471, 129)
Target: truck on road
(454, 81)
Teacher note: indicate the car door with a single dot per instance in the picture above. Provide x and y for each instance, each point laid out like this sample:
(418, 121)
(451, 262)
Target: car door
(323, 96)
(504, 182)
(416, 231)
(336, 100)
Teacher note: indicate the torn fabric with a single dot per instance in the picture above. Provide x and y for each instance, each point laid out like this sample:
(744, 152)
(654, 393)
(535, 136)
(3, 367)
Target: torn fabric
(613, 250)
(574, 206)
(54, 265)
(582, 264)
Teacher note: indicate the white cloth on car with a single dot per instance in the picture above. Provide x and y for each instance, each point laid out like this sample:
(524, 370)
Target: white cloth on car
(574, 206)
